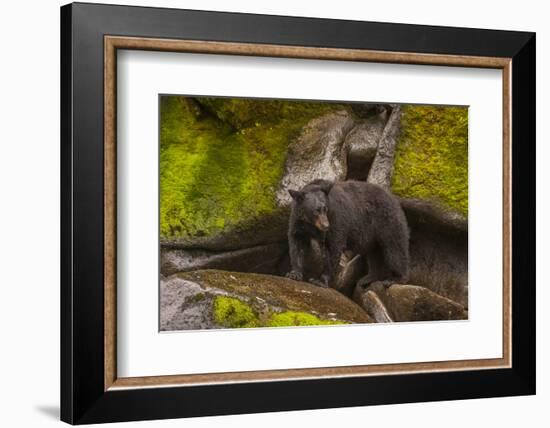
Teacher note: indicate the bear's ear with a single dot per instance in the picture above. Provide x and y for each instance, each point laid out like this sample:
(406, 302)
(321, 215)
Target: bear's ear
(296, 195)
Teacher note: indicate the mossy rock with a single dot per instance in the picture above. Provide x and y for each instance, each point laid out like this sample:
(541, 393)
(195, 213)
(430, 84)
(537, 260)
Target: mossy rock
(294, 318)
(221, 160)
(234, 313)
(241, 300)
(226, 163)
(431, 161)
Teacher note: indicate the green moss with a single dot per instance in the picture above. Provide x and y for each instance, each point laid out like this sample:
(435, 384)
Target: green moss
(234, 313)
(432, 156)
(221, 159)
(231, 312)
(293, 318)
(244, 113)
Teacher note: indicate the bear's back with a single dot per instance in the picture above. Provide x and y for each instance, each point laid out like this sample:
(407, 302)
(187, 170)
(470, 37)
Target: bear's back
(361, 194)
(366, 213)
(362, 199)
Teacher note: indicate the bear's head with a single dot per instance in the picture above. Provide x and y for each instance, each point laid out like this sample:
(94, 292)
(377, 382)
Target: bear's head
(311, 204)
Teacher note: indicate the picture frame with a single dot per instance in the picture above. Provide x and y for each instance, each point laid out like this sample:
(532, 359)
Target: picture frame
(91, 391)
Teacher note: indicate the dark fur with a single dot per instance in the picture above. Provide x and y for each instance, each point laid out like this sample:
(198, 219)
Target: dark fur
(363, 218)
(307, 205)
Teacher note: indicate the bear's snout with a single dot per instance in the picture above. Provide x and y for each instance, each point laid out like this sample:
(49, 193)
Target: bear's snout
(321, 222)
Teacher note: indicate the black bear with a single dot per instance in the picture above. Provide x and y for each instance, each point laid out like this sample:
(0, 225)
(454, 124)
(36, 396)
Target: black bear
(351, 216)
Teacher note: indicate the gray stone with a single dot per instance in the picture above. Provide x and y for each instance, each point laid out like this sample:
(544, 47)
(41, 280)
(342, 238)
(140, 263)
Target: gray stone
(184, 305)
(316, 153)
(259, 259)
(188, 302)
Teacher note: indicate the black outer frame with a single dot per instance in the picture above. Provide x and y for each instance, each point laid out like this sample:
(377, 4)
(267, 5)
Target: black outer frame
(83, 399)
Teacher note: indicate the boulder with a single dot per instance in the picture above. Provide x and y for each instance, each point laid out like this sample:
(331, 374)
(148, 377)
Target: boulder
(404, 302)
(184, 305)
(209, 299)
(316, 153)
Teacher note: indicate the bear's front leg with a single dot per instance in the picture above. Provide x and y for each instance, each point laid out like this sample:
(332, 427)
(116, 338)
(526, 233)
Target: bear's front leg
(296, 250)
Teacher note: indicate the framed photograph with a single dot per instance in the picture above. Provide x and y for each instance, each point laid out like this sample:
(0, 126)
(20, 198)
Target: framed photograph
(265, 213)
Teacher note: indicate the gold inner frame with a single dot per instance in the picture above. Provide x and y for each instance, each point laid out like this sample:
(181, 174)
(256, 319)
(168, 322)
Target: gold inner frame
(113, 43)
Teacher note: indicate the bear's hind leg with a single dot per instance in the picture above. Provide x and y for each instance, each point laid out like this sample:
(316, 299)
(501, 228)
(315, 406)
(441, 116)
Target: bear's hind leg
(375, 267)
(396, 259)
